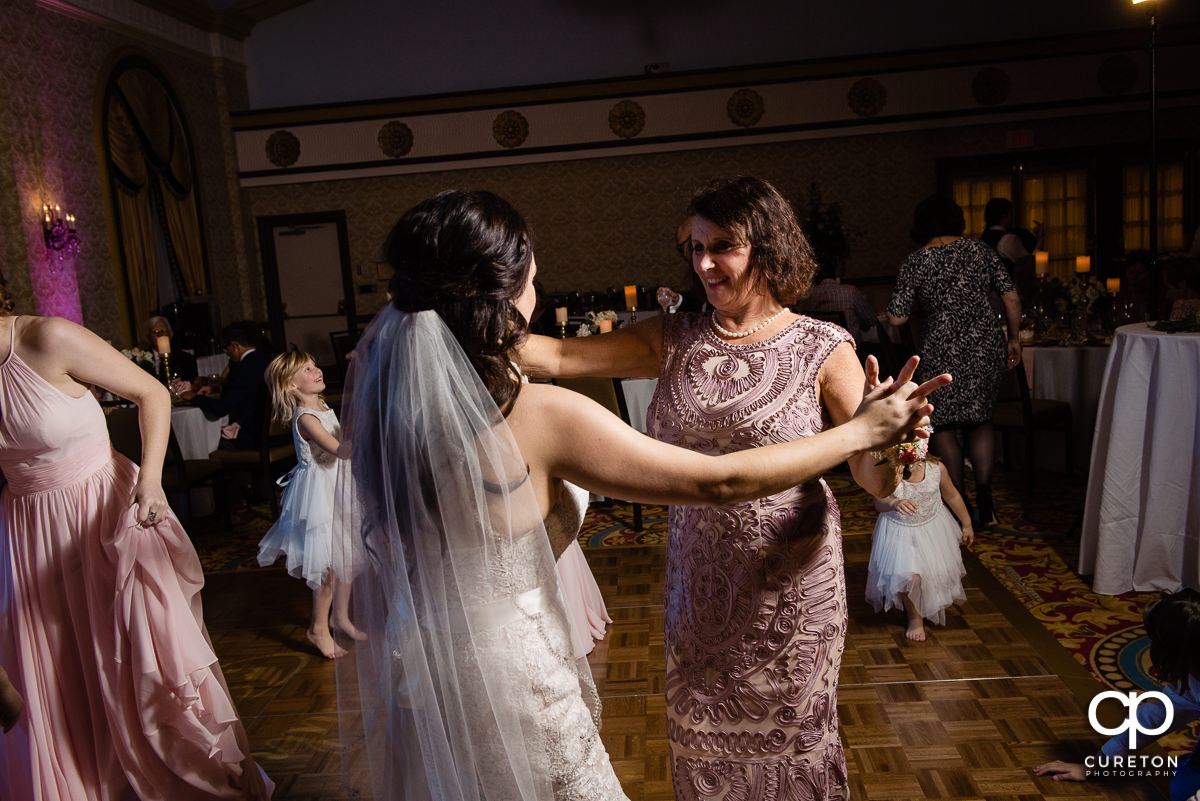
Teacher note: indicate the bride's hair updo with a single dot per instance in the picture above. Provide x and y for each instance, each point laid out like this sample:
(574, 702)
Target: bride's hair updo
(466, 255)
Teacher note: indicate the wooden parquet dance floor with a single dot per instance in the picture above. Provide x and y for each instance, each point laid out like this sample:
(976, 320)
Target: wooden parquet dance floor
(964, 715)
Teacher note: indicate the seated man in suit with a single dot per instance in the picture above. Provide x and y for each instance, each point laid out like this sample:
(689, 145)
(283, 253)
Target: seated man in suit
(244, 389)
(182, 363)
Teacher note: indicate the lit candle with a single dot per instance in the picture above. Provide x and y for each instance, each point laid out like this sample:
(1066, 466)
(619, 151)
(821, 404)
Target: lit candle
(631, 297)
(162, 344)
(1041, 262)
(605, 326)
(560, 314)
(1083, 264)
(1113, 285)
(71, 223)
(46, 216)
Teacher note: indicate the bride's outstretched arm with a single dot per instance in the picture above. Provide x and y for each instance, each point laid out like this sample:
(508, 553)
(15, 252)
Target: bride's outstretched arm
(564, 435)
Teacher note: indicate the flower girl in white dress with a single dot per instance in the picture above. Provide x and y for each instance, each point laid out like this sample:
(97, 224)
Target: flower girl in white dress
(313, 525)
(915, 559)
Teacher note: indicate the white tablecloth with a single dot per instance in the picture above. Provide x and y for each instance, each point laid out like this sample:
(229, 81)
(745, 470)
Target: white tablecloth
(1074, 375)
(638, 392)
(197, 435)
(1141, 521)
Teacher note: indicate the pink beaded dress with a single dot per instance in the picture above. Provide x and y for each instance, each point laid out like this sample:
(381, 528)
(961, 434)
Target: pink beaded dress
(100, 621)
(756, 594)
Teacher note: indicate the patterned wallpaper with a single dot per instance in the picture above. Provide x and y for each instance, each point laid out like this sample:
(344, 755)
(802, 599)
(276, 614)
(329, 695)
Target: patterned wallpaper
(611, 221)
(55, 67)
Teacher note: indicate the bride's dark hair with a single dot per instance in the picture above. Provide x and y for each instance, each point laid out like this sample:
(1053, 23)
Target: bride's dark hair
(466, 255)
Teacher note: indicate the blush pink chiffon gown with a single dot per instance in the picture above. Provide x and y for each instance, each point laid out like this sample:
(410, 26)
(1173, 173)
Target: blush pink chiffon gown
(100, 622)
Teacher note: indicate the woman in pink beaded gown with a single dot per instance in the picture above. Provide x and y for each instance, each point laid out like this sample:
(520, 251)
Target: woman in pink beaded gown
(756, 595)
(101, 625)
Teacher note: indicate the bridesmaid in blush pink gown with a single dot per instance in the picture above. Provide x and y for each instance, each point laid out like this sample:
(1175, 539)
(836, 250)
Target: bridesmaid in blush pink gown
(100, 617)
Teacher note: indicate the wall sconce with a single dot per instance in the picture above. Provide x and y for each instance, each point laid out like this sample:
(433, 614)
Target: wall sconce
(59, 230)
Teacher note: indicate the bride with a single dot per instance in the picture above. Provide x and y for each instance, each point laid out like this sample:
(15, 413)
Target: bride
(467, 687)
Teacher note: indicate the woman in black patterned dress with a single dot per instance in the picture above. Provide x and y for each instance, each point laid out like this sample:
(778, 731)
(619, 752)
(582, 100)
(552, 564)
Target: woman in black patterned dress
(950, 278)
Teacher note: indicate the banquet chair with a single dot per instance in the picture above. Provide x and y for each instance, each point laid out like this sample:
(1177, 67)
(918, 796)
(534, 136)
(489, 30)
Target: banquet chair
(267, 461)
(1017, 413)
(179, 475)
(607, 392)
(343, 343)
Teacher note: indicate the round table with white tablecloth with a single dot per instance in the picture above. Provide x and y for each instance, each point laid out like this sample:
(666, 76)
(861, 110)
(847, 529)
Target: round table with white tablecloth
(198, 436)
(1141, 521)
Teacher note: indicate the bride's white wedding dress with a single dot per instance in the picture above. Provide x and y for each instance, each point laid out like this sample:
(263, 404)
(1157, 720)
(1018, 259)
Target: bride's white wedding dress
(467, 688)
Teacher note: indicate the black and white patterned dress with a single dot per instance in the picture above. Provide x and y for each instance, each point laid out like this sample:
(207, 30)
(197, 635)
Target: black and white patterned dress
(963, 336)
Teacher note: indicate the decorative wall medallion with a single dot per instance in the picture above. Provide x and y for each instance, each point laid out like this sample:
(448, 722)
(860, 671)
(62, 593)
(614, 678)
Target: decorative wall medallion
(745, 107)
(283, 148)
(510, 128)
(991, 86)
(867, 97)
(626, 119)
(395, 139)
(1118, 75)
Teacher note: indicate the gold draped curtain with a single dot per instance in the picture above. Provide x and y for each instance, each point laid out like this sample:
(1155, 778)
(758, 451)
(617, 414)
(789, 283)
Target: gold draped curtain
(150, 163)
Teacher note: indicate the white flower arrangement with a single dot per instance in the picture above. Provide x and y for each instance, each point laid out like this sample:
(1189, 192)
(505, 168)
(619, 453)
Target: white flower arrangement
(138, 356)
(591, 322)
(1085, 291)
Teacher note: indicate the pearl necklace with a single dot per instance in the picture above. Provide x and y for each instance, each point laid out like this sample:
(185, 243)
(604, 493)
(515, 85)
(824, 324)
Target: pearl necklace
(739, 334)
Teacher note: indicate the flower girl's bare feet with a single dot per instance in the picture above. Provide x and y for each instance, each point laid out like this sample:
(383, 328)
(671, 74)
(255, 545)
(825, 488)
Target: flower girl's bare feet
(324, 643)
(916, 630)
(347, 629)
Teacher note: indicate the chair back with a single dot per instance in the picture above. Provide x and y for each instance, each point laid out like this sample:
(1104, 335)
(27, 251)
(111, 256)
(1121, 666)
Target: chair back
(1014, 388)
(125, 432)
(343, 343)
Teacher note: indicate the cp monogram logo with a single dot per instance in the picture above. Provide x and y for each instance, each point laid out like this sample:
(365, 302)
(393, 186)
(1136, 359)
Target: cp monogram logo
(1132, 700)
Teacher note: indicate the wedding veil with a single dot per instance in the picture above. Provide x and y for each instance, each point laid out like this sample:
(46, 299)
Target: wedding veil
(457, 593)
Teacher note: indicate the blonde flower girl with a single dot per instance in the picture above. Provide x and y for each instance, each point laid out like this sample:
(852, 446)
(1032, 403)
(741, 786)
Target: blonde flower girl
(314, 522)
(915, 559)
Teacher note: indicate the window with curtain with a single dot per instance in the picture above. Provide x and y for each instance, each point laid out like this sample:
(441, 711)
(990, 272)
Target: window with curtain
(972, 195)
(1135, 205)
(1058, 200)
(152, 182)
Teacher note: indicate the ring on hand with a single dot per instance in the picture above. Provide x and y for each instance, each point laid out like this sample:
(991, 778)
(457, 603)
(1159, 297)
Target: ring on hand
(151, 516)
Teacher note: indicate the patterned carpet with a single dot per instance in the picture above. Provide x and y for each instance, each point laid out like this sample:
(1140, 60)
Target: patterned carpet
(1032, 553)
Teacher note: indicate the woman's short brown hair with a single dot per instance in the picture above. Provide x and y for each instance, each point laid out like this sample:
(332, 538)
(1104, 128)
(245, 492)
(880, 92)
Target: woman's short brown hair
(753, 211)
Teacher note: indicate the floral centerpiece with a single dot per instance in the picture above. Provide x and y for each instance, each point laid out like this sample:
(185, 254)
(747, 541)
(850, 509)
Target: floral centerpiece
(591, 322)
(1068, 309)
(1082, 293)
(142, 358)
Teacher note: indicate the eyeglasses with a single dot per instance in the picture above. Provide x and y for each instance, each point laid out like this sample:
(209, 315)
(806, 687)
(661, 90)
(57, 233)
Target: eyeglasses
(684, 249)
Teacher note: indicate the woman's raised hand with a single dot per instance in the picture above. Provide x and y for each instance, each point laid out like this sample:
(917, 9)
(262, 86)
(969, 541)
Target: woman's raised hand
(892, 409)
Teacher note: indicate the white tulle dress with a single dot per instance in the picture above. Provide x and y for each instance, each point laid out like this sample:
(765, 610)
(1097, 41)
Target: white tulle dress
(311, 526)
(918, 554)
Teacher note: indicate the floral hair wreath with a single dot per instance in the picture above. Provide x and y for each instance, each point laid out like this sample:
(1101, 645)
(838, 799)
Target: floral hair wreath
(906, 454)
